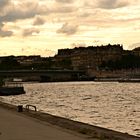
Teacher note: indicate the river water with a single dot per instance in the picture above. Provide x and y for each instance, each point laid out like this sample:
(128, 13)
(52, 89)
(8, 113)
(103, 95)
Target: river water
(111, 105)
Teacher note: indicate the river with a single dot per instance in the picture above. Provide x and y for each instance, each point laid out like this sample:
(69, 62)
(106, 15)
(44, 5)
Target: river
(111, 105)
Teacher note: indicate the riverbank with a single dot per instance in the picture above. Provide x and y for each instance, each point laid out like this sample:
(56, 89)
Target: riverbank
(17, 126)
(89, 131)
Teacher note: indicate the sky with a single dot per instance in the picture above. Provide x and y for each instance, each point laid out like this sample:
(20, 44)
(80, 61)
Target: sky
(41, 27)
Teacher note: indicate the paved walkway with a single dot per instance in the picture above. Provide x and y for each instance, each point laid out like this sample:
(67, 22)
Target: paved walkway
(16, 126)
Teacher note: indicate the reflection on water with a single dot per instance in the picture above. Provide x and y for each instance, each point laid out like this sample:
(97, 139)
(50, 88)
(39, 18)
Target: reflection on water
(111, 105)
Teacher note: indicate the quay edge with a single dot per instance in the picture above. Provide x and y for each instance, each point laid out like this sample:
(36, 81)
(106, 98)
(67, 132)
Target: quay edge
(79, 127)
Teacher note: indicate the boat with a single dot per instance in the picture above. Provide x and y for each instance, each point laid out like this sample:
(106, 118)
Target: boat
(11, 88)
(129, 80)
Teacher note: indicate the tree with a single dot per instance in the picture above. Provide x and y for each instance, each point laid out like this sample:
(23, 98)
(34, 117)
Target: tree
(9, 63)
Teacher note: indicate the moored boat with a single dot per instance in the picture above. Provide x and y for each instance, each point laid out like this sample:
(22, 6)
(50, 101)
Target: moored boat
(11, 88)
(130, 80)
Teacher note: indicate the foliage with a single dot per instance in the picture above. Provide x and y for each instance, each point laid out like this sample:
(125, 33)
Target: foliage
(126, 62)
(9, 63)
(1, 82)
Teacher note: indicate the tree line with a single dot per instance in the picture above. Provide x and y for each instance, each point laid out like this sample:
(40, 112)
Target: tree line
(129, 61)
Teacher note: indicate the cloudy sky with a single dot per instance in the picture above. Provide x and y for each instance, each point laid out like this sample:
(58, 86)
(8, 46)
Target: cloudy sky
(41, 27)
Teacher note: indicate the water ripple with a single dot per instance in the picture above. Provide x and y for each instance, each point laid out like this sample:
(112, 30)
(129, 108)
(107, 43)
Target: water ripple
(111, 105)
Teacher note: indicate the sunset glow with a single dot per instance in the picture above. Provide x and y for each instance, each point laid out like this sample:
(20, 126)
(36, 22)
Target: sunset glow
(41, 27)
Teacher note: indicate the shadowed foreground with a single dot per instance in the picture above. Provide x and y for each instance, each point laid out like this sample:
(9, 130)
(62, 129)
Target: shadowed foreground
(15, 126)
(42, 126)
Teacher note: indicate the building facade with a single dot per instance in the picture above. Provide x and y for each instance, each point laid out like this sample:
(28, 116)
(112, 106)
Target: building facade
(90, 57)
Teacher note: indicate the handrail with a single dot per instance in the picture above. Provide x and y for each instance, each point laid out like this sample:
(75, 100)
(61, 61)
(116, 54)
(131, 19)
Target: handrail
(13, 84)
(28, 107)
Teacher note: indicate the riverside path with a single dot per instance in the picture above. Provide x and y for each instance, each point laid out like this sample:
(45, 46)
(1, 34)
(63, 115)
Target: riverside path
(17, 126)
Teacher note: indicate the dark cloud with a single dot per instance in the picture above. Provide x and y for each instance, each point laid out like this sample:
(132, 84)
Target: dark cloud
(28, 9)
(3, 3)
(65, 9)
(30, 31)
(21, 11)
(112, 4)
(68, 29)
(108, 4)
(1, 25)
(65, 1)
(5, 33)
(25, 10)
(84, 14)
(38, 21)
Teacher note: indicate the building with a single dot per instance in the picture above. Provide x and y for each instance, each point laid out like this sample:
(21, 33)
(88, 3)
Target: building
(136, 51)
(83, 58)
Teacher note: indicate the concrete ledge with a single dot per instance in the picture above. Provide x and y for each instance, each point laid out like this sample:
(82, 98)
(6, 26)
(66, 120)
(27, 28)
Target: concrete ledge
(89, 130)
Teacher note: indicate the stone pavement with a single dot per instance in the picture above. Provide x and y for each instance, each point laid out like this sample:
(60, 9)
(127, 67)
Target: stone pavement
(17, 126)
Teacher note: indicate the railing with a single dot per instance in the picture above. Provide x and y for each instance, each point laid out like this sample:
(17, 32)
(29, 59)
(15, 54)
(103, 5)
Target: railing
(13, 84)
(30, 106)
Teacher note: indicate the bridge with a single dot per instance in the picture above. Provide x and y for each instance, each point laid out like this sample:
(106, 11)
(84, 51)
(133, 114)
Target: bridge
(43, 75)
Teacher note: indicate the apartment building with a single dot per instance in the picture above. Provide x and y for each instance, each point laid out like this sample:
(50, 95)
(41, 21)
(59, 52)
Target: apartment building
(90, 57)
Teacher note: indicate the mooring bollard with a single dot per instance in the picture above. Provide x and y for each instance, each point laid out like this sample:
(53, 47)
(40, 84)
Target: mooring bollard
(20, 108)
(28, 107)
